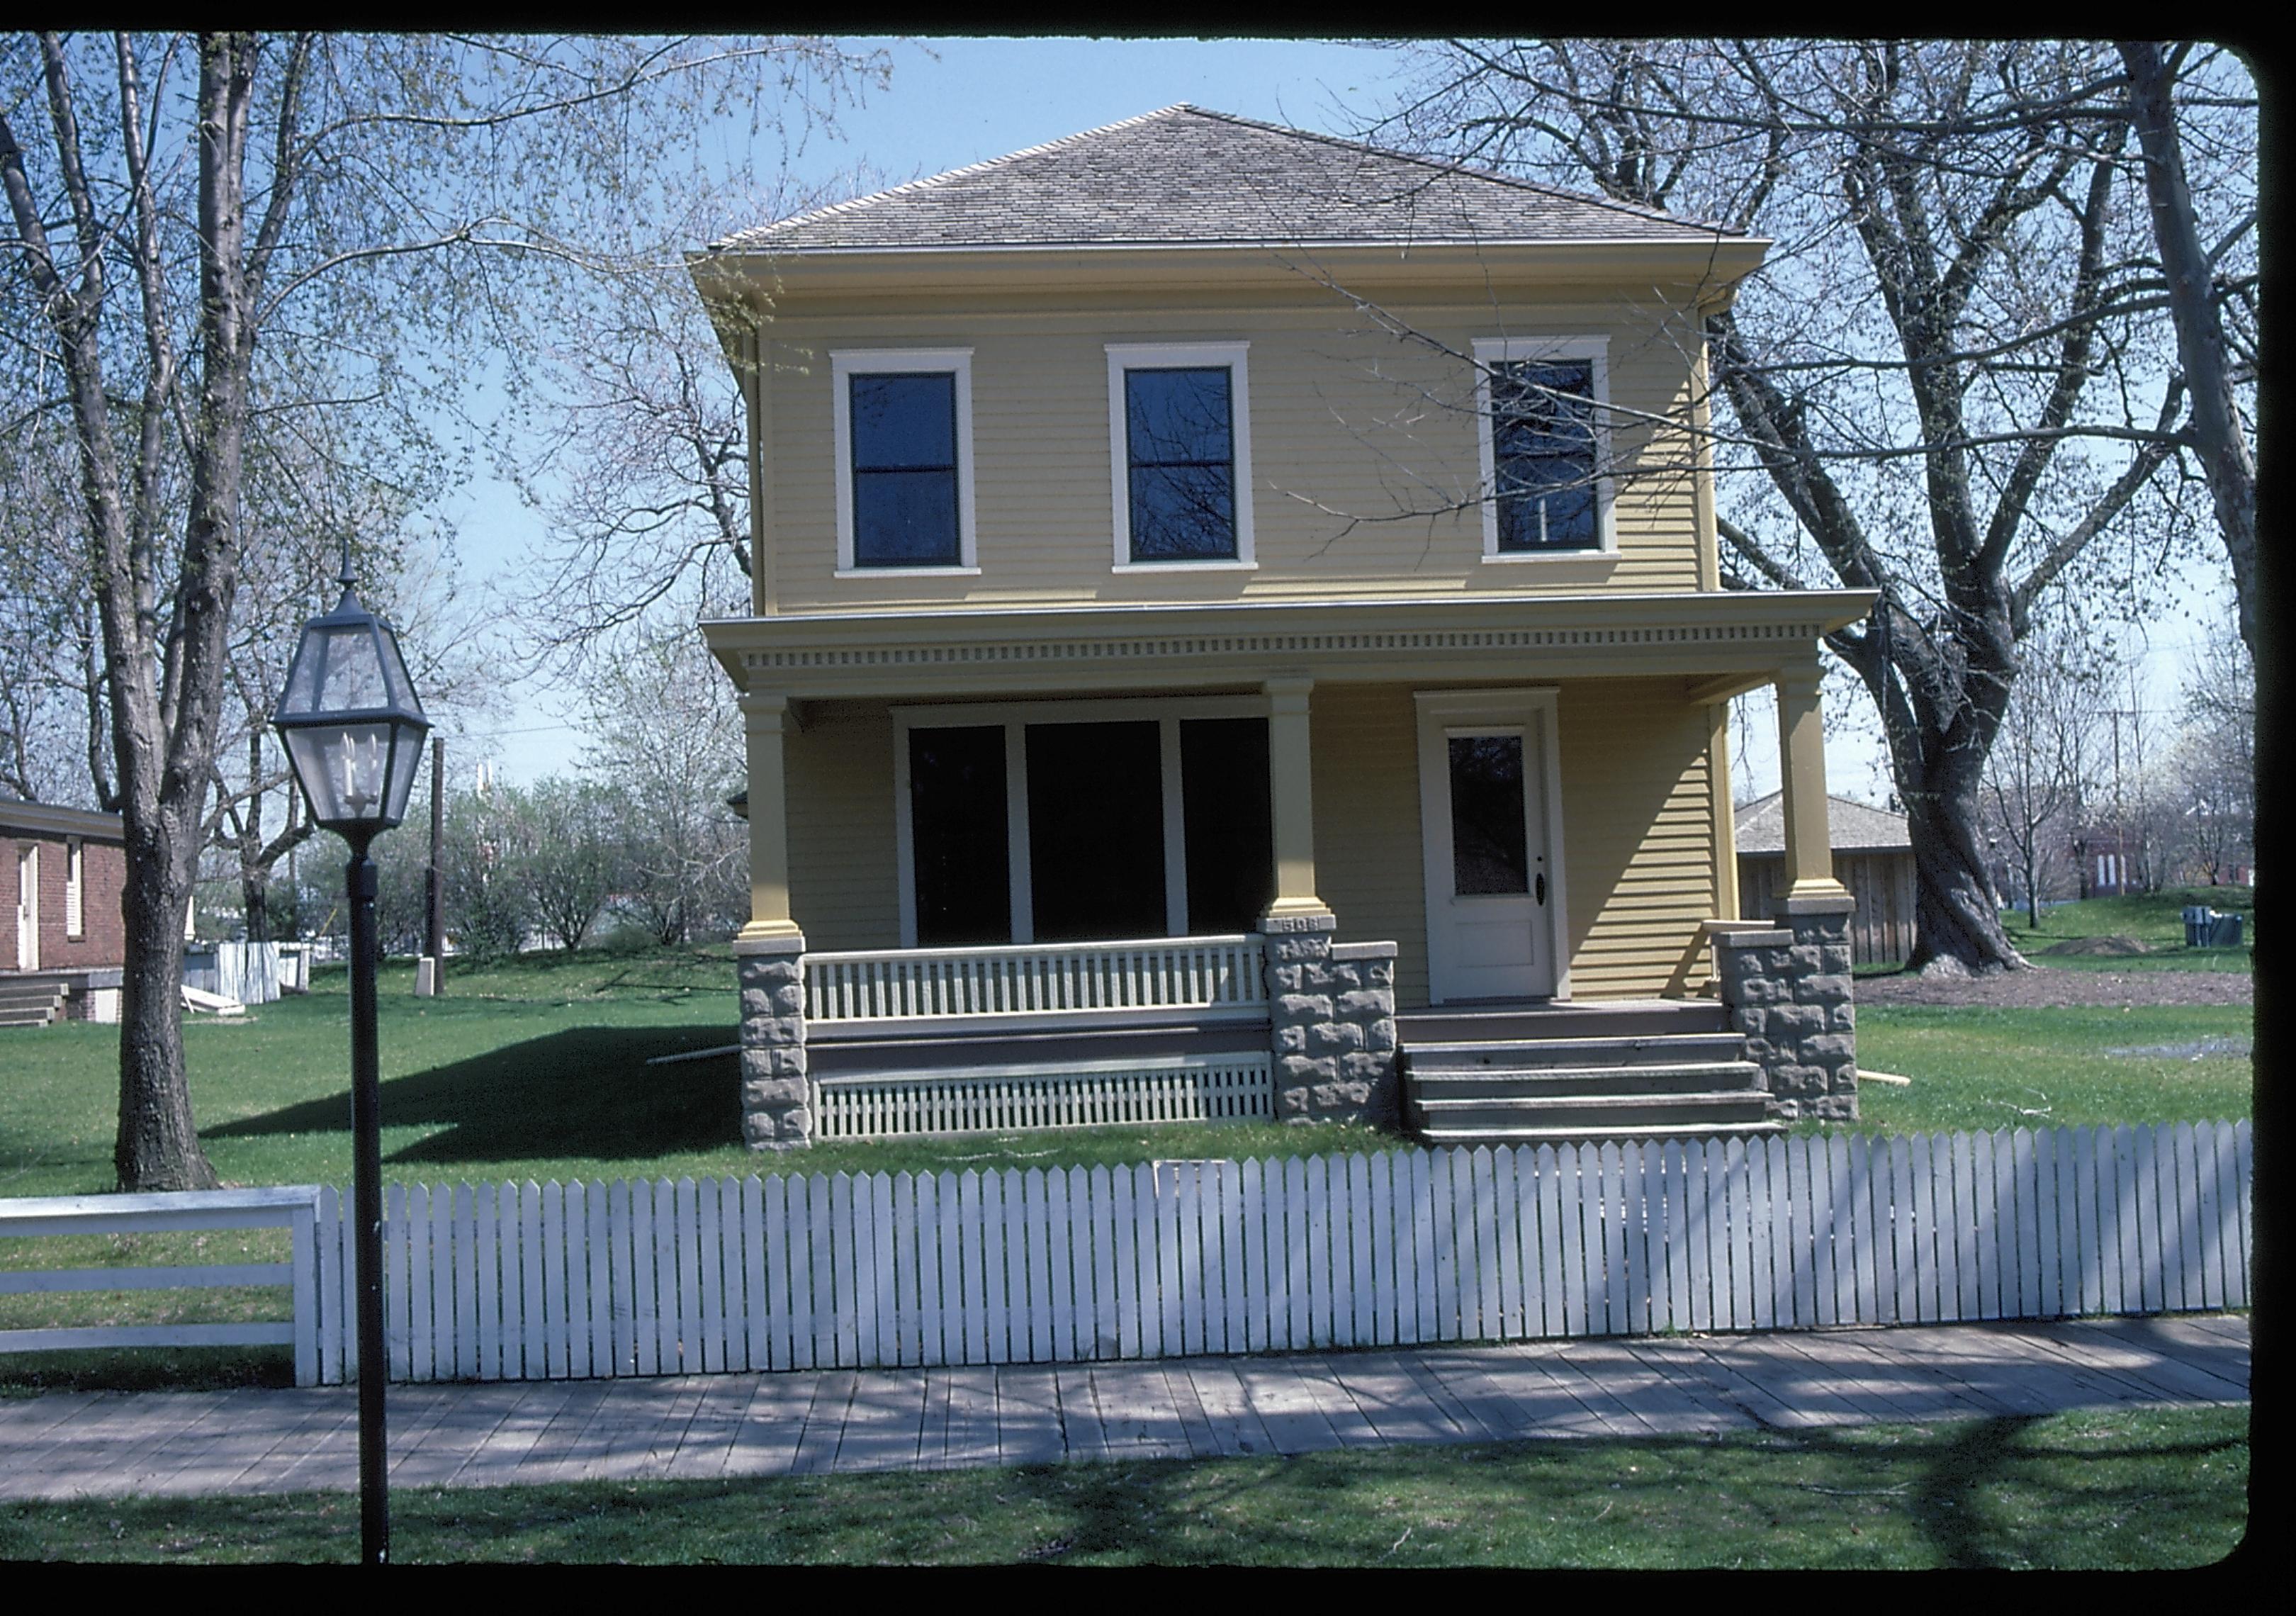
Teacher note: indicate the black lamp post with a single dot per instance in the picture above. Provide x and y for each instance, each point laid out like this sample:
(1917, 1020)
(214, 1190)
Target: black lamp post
(353, 731)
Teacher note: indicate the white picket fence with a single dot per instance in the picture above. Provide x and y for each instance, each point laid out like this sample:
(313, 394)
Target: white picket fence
(1213, 978)
(530, 1281)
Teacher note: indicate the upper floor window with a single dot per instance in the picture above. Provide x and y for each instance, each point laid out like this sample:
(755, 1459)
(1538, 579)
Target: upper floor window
(904, 460)
(1180, 448)
(1545, 446)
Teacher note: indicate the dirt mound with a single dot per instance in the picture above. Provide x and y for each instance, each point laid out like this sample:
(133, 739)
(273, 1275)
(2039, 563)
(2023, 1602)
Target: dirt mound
(2118, 947)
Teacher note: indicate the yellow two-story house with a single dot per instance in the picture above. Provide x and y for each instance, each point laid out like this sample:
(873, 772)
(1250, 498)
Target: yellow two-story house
(1237, 631)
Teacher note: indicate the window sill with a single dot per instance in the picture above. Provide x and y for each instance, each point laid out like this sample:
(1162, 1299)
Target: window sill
(1202, 566)
(906, 573)
(1509, 558)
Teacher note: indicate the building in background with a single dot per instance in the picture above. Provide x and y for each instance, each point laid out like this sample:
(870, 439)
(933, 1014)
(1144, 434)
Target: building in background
(1873, 858)
(61, 873)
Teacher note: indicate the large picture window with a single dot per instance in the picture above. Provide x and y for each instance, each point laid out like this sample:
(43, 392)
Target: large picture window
(904, 452)
(1075, 821)
(1180, 445)
(1544, 446)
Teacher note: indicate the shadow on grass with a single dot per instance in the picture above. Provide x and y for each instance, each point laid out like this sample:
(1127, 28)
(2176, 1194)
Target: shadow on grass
(584, 1092)
(146, 1369)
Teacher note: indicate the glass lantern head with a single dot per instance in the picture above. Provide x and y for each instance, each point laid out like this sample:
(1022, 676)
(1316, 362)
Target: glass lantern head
(350, 721)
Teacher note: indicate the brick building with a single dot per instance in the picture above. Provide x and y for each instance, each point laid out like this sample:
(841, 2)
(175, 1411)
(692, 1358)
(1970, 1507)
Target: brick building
(62, 936)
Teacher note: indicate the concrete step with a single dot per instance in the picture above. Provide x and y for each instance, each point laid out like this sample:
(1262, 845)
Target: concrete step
(1532, 1055)
(1499, 1082)
(1461, 1135)
(31, 1015)
(1595, 1112)
(1518, 1024)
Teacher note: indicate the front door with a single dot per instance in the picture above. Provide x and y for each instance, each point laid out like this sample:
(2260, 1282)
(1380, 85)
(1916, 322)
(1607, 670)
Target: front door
(1490, 887)
(28, 908)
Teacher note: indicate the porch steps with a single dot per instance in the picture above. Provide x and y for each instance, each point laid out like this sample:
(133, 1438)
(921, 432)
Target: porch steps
(30, 1002)
(1530, 1074)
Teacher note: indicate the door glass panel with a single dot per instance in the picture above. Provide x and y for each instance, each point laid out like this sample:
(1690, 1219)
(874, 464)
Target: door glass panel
(957, 825)
(1095, 831)
(1489, 848)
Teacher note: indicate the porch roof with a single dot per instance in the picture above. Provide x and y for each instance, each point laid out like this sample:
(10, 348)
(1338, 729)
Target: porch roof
(1049, 650)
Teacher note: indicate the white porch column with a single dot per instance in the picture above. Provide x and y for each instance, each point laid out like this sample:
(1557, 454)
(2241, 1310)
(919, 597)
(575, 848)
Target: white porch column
(1801, 772)
(1291, 803)
(765, 715)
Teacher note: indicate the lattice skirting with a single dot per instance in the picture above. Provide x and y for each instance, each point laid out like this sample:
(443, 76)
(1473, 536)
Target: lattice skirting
(1015, 1099)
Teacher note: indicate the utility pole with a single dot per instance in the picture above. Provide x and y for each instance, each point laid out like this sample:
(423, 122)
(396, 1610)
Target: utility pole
(429, 976)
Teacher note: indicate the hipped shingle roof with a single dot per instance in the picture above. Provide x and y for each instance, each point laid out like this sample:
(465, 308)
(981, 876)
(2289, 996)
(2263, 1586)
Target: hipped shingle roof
(1185, 177)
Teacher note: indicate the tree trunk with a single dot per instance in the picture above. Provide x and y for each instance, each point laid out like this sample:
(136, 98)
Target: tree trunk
(1956, 924)
(158, 1147)
(2220, 437)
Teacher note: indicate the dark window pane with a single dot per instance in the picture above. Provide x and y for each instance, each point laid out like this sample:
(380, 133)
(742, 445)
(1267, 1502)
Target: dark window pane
(1177, 431)
(957, 830)
(1230, 838)
(905, 519)
(1095, 831)
(1489, 852)
(904, 470)
(1177, 416)
(1183, 513)
(904, 422)
(1543, 446)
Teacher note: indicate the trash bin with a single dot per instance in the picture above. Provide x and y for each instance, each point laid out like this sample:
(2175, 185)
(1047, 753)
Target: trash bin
(2196, 924)
(2224, 931)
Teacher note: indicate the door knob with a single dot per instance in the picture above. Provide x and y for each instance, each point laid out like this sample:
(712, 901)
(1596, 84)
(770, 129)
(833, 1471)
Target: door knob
(1542, 886)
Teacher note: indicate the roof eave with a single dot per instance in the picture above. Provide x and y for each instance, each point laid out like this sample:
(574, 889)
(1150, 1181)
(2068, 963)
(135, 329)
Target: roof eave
(1710, 267)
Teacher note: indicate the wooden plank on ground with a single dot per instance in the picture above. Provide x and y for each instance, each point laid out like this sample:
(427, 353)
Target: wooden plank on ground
(824, 1426)
(1027, 1417)
(969, 1435)
(1234, 1423)
(1287, 1406)
(884, 1422)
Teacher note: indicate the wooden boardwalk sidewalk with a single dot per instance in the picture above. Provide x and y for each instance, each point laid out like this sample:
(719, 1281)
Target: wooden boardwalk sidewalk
(706, 1427)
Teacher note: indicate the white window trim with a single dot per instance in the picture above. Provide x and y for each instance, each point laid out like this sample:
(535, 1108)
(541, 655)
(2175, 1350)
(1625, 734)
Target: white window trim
(861, 362)
(75, 875)
(1014, 717)
(1500, 351)
(1178, 356)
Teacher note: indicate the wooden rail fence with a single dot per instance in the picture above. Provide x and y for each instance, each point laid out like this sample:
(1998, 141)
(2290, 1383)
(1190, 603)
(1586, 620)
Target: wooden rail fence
(510, 1281)
(294, 1206)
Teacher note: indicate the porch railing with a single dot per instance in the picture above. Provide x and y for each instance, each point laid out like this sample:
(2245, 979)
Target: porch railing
(1205, 978)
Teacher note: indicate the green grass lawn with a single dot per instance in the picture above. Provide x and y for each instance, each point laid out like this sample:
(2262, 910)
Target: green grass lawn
(2155, 918)
(534, 1068)
(2120, 1489)
(1975, 1066)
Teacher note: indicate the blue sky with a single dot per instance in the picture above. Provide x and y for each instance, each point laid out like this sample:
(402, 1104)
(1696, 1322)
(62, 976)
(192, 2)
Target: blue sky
(954, 102)
(951, 103)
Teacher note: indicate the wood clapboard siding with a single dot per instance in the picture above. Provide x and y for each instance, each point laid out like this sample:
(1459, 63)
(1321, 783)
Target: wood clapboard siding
(844, 882)
(1342, 417)
(1638, 831)
(1638, 837)
(1364, 741)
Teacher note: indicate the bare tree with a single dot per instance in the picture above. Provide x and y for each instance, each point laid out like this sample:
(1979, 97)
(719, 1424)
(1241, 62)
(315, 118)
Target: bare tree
(2214, 761)
(2043, 758)
(1951, 375)
(2211, 289)
(571, 865)
(208, 231)
(668, 745)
